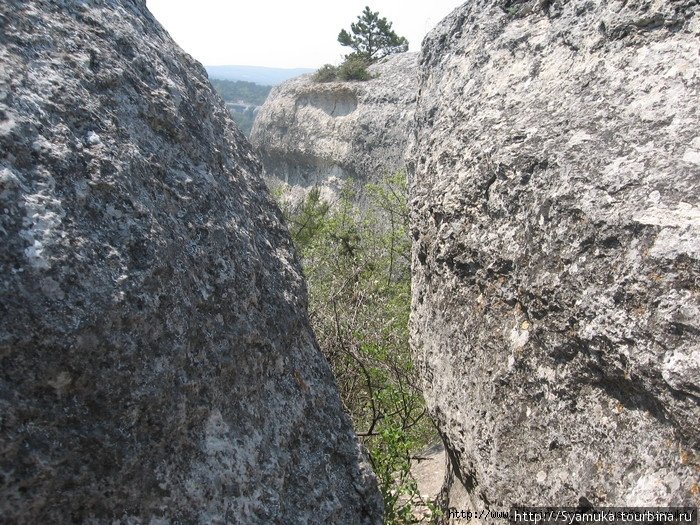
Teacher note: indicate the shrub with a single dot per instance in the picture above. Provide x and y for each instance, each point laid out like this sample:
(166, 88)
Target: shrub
(357, 264)
(327, 73)
(354, 68)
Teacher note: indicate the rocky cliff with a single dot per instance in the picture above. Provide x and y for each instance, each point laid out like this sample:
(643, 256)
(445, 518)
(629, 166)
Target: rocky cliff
(157, 363)
(322, 134)
(556, 221)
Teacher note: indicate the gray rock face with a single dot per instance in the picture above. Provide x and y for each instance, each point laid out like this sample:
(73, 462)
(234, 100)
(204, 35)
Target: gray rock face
(555, 199)
(157, 363)
(321, 134)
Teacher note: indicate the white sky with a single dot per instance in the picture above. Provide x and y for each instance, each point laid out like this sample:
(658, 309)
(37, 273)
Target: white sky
(285, 33)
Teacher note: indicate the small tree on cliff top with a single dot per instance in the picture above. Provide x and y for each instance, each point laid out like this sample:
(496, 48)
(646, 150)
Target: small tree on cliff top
(372, 37)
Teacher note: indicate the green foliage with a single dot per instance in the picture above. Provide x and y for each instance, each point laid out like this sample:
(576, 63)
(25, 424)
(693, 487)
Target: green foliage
(307, 221)
(242, 98)
(372, 37)
(244, 118)
(327, 73)
(357, 265)
(354, 68)
(513, 10)
(241, 91)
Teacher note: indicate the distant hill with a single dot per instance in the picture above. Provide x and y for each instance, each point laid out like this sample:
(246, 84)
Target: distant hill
(268, 76)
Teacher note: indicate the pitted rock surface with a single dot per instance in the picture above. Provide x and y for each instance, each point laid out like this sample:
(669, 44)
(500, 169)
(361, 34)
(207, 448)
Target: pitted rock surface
(157, 362)
(313, 134)
(556, 221)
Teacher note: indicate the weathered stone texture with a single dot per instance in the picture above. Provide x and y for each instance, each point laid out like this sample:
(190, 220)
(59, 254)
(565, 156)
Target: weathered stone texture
(157, 363)
(555, 200)
(323, 134)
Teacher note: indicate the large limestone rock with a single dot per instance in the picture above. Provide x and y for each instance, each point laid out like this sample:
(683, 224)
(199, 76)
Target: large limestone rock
(555, 199)
(311, 134)
(157, 363)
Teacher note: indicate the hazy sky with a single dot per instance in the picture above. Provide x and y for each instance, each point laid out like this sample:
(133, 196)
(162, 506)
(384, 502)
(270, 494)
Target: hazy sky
(284, 33)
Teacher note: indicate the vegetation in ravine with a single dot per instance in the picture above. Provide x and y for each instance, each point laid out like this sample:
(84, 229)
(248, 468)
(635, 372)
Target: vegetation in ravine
(242, 99)
(240, 90)
(357, 265)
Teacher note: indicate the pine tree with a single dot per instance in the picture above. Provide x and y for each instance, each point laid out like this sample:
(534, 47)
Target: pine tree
(372, 37)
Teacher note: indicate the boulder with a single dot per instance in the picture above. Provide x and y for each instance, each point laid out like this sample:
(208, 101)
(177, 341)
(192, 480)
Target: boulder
(555, 186)
(157, 361)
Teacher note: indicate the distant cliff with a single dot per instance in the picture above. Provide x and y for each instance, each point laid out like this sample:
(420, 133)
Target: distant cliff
(556, 259)
(157, 361)
(321, 134)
